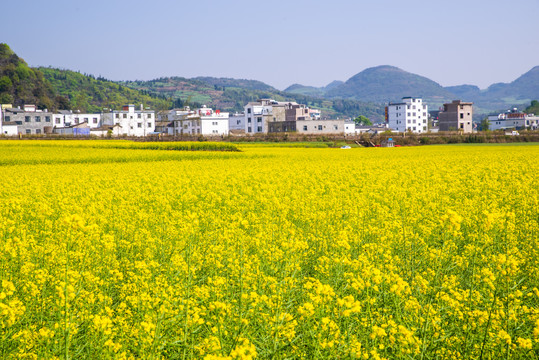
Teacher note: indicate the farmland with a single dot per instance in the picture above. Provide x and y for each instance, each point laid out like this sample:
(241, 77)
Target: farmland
(114, 251)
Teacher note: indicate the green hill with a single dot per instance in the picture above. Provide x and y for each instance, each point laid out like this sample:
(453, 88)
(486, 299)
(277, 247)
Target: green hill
(388, 83)
(221, 94)
(87, 93)
(20, 84)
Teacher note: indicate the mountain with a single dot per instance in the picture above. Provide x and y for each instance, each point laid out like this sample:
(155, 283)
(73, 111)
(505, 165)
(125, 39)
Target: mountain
(91, 94)
(305, 90)
(20, 84)
(388, 83)
(523, 88)
(220, 94)
(464, 91)
(237, 83)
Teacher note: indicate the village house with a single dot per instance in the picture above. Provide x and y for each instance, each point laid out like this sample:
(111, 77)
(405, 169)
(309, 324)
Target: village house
(28, 120)
(132, 122)
(456, 115)
(411, 114)
(203, 121)
(513, 119)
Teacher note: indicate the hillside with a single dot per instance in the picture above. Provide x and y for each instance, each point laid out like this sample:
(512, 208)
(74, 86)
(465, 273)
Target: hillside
(230, 98)
(388, 83)
(20, 84)
(87, 93)
(237, 83)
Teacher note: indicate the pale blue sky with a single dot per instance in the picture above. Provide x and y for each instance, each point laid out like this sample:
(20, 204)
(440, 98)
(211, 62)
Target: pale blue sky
(278, 42)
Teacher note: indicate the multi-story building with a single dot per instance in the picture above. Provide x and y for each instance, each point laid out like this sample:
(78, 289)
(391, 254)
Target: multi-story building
(28, 120)
(409, 115)
(259, 113)
(203, 121)
(456, 115)
(132, 122)
(68, 118)
(513, 119)
(236, 122)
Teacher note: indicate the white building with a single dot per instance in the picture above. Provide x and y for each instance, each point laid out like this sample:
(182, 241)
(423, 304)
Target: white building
(132, 122)
(513, 119)
(257, 115)
(204, 121)
(409, 115)
(67, 118)
(236, 122)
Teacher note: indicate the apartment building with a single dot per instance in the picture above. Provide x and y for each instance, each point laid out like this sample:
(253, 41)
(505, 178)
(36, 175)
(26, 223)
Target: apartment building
(411, 114)
(203, 121)
(28, 120)
(456, 115)
(132, 122)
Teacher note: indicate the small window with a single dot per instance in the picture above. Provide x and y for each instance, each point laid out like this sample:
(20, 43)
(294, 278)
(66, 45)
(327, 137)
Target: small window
(248, 110)
(38, 118)
(139, 115)
(461, 115)
(139, 125)
(259, 119)
(409, 114)
(85, 120)
(319, 127)
(462, 126)
(249, 120)
(304, 127)
(28, 131)
(249, 129)
(57, 120)
(38, 131)
(149, 116)
(27, 119)
(117, 116)
(125, 116)
(76, 120)
(149, 124)
(8, 119)
(94, 120)
(47, 119)
(259, 129)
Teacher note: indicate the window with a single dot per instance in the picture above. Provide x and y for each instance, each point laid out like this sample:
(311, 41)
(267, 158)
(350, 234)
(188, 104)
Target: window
(76, 120)
(117, 116)
(215, 123)
(57, 120)
(414, 128)
(125, 116)
(18, 122)
(249, 129)
(413, 100)
(94, 120)
(149, 116)
(249, 120)
(409, 121)
(414, 121)
(248, 110)
(462, 126)
(8, 119)
(38, 118)
(259, 120)
(274, 118)
(424, 114)
(238, 122)
(198, 131)
(186, 126)
(424, 128)
(139, 115)
(319, 127)
(47, 119)
(304, 127)
(85, 120)
(149, 124)
(27, 119)
(461, 115)
(139, 125)
(414, 114)
(413, 107)
(28, 131)
(259, 129)
(408, 107)
(335, 127)
(38, 131)
(409, 114)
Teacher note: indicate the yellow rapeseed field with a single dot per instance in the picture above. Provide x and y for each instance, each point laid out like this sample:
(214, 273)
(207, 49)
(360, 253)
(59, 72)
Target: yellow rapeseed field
(112, 252)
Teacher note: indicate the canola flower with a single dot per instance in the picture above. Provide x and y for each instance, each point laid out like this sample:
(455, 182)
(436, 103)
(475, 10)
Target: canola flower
(428, 252)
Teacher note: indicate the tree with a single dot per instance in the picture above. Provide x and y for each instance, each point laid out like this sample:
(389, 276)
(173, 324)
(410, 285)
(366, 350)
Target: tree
(484, 125)
(363, 120)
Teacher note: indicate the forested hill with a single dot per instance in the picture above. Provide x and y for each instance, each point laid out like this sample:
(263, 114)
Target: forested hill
(88, 93)
(232, 95)
(20, 84)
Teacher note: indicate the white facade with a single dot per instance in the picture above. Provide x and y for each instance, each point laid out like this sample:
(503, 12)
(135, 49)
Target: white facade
(255, 116)
(132, 122)
(69, 118)
(203, 121)
(513, 120)
(236, 121)
(409, 115)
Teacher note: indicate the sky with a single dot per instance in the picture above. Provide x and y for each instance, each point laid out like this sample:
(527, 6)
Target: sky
(279, 42)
